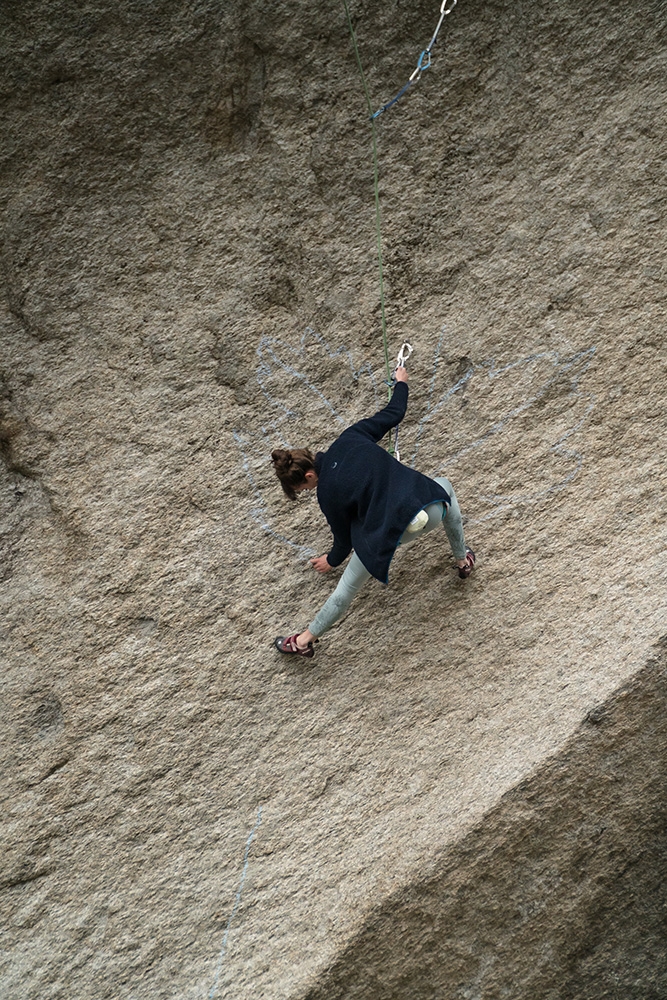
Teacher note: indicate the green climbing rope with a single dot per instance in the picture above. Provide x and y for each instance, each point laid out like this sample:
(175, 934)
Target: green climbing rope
(378, 223)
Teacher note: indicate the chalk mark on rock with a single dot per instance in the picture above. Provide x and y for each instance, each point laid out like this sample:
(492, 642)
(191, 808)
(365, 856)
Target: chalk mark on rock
(237, 901)
(579, 362)
(271, 354)
(259, 513)
(277, 357)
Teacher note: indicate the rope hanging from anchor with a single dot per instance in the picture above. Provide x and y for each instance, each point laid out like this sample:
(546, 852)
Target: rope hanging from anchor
(423, 64)
(378, 223)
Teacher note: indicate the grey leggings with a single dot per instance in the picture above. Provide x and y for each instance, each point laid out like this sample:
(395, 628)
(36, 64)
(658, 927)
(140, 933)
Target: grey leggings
(356, 574)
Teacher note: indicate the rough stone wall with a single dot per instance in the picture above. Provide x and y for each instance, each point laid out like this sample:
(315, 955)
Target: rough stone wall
(558, 893)
(189, 279)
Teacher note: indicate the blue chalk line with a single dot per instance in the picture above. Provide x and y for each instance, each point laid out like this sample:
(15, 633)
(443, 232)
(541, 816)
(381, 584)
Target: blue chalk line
(273, 355)
(237, 900)
(258, 514)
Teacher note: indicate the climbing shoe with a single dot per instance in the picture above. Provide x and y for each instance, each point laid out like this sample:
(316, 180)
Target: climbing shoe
(465, 571)
(287, 644)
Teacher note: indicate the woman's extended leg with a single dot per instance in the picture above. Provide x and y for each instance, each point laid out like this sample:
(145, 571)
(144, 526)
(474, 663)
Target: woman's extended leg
(349, 585)
(353, 579)
(356, 574)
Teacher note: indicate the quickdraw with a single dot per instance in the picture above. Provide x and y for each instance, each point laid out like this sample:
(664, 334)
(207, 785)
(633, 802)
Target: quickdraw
(401, 360)
(424, 61)
(403, 355)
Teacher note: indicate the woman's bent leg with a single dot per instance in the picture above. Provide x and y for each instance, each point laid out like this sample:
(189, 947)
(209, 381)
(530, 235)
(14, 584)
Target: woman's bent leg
(452, 521)
(349, 585)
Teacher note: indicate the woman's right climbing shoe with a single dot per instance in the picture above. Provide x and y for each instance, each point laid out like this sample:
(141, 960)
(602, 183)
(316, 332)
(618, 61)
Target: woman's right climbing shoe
(465, 571)
(287, 644)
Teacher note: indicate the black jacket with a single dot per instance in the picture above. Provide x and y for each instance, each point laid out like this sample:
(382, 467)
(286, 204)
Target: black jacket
(367, 496)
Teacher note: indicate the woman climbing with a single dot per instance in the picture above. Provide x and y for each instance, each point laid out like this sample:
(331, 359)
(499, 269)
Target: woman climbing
(373, 504)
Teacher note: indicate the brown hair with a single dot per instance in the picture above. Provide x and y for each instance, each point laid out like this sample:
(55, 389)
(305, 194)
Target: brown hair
(291, 468)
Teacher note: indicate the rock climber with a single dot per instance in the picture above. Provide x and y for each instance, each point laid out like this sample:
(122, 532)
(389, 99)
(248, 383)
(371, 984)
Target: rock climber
(373, 504)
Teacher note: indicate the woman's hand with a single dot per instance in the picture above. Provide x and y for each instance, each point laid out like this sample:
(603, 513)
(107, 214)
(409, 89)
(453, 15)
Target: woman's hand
(321, 564)
(401, 375)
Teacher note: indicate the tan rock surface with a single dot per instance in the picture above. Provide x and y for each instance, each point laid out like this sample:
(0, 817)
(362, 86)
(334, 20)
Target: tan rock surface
(189, 276)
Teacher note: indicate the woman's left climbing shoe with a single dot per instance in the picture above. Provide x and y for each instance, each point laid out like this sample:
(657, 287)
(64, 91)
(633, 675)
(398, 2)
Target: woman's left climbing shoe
(465, 571)
(287, 644)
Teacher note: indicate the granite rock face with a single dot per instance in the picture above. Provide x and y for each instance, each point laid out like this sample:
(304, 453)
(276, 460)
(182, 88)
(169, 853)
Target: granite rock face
(463, 794)
(558, 892)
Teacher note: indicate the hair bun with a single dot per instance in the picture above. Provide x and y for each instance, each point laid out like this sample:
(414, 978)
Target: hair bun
(292, 468)
(282, 460)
